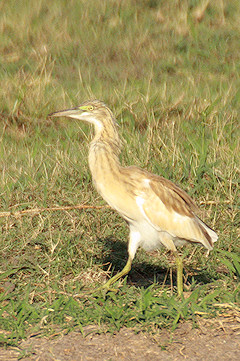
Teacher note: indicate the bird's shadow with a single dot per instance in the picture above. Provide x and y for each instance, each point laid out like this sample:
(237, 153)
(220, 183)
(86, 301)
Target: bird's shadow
(142, 274)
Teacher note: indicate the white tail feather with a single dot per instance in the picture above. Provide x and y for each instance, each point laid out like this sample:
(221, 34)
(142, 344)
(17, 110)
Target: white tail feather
(211, 233)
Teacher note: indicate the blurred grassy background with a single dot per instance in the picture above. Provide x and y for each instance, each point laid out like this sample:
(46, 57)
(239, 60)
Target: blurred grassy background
(170, 71)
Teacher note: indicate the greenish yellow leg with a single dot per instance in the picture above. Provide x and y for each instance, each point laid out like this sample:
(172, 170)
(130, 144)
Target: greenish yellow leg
(179, 264)
(115, 278)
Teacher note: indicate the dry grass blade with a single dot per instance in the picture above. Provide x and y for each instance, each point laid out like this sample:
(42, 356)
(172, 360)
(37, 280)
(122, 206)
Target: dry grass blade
(199, 12)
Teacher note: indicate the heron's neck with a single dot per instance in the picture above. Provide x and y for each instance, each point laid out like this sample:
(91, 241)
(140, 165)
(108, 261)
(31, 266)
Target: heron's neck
(104, 150)
(106, 132)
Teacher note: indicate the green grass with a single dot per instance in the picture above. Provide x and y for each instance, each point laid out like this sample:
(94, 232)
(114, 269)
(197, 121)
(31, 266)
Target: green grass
(173, 84)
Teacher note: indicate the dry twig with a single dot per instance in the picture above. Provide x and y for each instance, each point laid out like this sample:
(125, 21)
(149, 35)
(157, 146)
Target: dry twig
(26, 212)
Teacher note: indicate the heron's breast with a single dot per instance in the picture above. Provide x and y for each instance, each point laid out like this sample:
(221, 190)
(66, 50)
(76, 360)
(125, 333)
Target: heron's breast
(118, 196)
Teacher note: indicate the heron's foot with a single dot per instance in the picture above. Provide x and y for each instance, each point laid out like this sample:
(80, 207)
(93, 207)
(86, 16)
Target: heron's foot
(107, 286)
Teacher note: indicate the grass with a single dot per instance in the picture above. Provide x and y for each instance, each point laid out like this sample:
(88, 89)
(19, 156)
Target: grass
(173, 83)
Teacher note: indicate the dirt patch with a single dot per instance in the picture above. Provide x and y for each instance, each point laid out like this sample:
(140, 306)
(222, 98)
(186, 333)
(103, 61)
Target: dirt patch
(212, 340)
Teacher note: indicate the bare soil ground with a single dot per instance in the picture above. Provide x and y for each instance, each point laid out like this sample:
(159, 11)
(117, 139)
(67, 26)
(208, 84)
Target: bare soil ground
(211, 340)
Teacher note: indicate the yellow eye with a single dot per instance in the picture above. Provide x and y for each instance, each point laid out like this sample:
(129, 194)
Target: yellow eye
(86, 107)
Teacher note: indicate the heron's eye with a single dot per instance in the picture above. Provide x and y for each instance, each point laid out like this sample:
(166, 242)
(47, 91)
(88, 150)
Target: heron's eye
(90, 107)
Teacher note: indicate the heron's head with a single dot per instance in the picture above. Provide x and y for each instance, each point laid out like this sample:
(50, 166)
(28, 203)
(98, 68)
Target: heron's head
(93, 111)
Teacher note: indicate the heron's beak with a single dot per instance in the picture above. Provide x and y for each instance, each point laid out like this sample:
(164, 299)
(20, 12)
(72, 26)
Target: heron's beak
(67, 113)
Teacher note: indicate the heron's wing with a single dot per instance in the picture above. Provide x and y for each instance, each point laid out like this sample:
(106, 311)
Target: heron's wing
(169, 209)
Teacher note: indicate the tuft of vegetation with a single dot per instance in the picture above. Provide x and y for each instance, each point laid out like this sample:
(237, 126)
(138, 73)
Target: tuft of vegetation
(170, 73)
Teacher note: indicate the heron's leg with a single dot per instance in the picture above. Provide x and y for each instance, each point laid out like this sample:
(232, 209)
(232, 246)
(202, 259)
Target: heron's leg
(133, 244)
(115, 278)
(179, 264)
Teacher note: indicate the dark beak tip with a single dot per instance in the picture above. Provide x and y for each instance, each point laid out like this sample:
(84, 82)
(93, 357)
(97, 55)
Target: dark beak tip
(55, 114)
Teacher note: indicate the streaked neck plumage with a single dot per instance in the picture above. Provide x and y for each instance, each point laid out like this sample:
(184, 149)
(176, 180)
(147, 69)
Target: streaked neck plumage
(105, 146)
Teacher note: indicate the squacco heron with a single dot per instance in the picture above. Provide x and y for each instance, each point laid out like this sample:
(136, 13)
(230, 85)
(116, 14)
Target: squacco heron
(157, 211)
